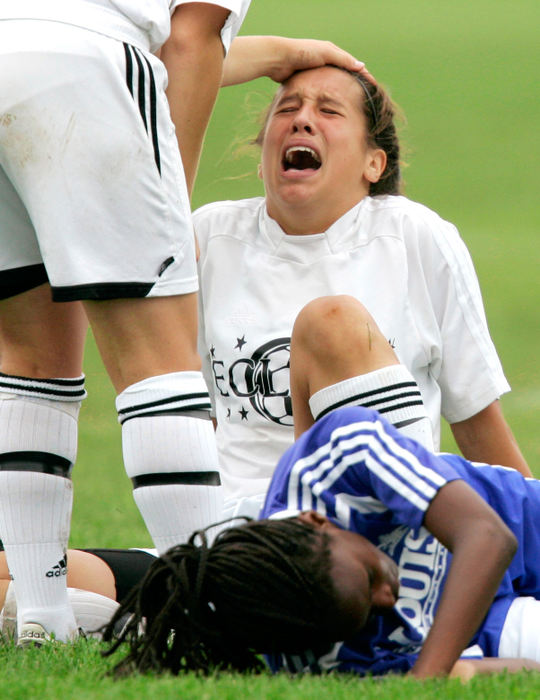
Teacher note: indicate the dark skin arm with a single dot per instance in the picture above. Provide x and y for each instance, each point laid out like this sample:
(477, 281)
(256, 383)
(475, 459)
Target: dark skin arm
(482, 547)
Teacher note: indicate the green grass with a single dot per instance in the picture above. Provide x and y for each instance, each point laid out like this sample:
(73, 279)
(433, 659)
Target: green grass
(466, 76)
(79, 672)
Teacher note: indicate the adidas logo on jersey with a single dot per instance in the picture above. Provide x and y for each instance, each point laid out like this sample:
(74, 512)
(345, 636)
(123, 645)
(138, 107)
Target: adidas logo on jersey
(59, 569)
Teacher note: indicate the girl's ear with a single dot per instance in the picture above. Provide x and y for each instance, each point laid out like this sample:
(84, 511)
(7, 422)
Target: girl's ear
(375, 165)
(259, 171)
(311, 517)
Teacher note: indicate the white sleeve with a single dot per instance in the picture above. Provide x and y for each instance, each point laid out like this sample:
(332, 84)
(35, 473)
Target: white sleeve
(470, 374)
(238, 10)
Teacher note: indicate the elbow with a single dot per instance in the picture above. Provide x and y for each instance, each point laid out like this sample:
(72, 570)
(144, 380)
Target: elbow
(505, 542)
(182, 45)
(196, 27)
(200, 54)
(512, 545)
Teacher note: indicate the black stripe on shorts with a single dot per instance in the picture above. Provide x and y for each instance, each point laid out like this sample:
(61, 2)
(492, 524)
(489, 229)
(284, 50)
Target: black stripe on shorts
(102, 290)
(146, 87)
(21, 279)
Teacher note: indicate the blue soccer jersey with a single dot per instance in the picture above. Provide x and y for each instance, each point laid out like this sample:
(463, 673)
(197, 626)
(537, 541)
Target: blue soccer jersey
(356, 469)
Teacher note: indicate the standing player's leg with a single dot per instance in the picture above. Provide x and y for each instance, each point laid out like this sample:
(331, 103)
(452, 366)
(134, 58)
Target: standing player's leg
(41, 388)
(149, 344)
(149, 349)
(339, 357)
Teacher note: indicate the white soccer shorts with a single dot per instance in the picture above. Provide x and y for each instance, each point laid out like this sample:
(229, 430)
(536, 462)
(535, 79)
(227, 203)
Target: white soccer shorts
(520, 637)
(92, 189)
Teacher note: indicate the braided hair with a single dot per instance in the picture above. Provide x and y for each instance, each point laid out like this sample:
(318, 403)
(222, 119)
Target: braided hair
(261, 587)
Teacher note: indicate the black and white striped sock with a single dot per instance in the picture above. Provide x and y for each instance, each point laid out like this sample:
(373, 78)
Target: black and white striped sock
(71, 390)
(38, 446)
(170, 455)
(390, 390)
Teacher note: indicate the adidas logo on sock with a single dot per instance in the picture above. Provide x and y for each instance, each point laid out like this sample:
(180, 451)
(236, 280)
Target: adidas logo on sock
(59, 569)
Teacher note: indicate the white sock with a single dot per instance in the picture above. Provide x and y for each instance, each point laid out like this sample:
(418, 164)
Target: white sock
(38, 443)
(390, 390)
(36, 547)
(170, 454)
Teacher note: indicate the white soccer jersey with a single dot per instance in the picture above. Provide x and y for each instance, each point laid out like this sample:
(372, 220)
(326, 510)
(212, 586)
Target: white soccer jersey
(408, 267)
(142, 23)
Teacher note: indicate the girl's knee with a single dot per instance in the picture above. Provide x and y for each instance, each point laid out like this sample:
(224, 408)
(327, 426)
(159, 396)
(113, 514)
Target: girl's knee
(332, 318)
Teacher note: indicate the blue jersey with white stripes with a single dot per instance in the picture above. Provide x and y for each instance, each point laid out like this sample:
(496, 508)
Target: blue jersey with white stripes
(356, 469)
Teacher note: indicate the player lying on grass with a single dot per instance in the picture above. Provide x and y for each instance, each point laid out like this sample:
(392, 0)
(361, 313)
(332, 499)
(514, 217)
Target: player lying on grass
(354, 545)
(365, 536)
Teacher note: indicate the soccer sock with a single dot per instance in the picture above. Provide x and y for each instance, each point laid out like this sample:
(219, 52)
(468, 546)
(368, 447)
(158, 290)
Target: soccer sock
(38, 445)
(391, 390)
(170, 455)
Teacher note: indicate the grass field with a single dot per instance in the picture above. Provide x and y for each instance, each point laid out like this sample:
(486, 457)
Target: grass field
(466, 76)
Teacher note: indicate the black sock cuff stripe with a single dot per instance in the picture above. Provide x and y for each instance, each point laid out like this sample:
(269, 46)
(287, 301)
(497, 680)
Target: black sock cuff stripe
(387, 389)
(404, 404)
(386, 403)
(396, 407)
(43, 462)
(75, 382)
(200, 412)
(61, 389)
(377, 403)
(164, 402)
(209, 478)
(181, 402)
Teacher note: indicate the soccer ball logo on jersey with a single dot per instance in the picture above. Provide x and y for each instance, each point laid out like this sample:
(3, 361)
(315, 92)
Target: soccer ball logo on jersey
(262, 380)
